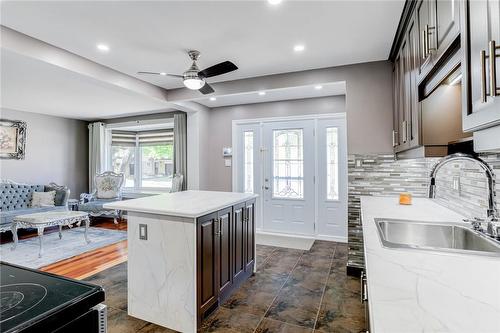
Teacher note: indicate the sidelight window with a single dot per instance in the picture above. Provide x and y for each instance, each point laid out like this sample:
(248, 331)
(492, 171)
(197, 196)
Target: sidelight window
(288, 164)
(332, 163)
(248, 161)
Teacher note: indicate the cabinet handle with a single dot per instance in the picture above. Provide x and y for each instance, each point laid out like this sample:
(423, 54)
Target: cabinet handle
(423, 44)
(426, 29)
(493, 68)
(220, 227)
(394, 133)
(483, 76)
(405, 131)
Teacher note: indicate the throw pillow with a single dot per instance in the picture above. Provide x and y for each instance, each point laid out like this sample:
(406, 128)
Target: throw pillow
(43, 199)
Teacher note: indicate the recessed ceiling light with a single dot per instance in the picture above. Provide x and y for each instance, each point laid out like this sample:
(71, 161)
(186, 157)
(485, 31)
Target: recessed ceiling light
(299, 48)
(262, 93)
(274, 2)
(163, 73)
(318, 87)
(213, 99)
(103, 47)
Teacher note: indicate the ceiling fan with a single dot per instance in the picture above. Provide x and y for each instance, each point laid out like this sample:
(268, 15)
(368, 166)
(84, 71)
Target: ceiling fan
(194, 79)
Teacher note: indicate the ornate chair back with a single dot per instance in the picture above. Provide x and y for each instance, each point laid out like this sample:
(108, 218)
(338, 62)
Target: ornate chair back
(108, 185)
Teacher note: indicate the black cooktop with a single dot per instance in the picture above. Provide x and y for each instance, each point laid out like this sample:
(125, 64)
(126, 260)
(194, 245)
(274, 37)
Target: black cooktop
(31, 300)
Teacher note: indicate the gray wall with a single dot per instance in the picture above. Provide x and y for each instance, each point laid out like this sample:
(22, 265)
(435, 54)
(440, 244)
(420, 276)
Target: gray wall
(56, 151)
(218, 177)
(368, 99)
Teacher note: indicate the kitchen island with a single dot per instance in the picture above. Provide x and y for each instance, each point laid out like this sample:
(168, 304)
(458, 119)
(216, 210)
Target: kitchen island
(187, 251)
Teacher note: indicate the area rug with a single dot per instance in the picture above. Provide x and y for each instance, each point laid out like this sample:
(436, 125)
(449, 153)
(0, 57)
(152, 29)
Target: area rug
(55, 249)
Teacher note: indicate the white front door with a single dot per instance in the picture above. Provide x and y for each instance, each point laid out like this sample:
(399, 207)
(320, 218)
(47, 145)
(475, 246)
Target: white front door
(299, 169)
(288, 186)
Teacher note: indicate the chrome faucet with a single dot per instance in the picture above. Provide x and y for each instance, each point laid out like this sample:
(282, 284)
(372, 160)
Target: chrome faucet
(492, 220)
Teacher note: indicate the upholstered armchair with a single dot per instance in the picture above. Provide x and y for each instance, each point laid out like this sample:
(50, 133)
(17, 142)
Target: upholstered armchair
(177, 181)
(108, 187)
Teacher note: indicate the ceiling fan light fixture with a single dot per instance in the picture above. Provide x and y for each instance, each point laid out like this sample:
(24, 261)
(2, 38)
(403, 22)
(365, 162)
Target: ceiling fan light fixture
(194, 83)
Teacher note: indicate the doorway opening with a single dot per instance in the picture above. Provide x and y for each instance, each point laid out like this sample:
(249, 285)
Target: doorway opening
(298, 167)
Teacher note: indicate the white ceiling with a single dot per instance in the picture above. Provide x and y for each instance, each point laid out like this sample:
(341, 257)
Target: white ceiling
(273, 95)
(258, 37)
(36, 86)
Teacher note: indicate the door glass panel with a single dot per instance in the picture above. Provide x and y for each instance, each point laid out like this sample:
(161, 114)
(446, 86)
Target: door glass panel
(288, 164)
(332, 163)
(248, 161)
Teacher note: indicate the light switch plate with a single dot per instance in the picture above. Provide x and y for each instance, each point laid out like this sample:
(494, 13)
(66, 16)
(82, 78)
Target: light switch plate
(143, 231)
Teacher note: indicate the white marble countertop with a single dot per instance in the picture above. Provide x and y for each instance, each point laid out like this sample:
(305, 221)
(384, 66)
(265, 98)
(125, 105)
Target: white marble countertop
(190, 204)
(425, 291)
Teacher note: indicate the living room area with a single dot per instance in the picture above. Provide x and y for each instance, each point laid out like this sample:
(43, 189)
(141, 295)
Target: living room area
(57, 161)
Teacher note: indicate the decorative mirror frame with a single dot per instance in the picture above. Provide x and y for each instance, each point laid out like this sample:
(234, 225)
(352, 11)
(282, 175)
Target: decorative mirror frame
(20, 142)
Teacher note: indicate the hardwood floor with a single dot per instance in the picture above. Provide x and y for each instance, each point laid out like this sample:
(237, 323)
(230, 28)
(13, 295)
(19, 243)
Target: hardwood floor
(90, 263)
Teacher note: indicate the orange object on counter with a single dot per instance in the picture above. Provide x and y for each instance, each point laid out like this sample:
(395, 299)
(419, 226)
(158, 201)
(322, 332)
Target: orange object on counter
(405, 198)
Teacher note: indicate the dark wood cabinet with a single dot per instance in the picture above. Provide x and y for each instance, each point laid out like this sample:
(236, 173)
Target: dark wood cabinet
(207, 263)
(447, 24)
(426, 27)
(250, 236)
(224, 244)
(225, 254)
(481, 72)
(239, 242)
(427, 37)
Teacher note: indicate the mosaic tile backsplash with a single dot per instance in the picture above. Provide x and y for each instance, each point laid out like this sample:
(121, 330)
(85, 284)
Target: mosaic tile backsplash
(382, 175)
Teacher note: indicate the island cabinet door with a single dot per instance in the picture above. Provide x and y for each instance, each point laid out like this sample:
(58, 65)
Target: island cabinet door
(250, 235)
(239, 242)
(225, 269)
(207, 264)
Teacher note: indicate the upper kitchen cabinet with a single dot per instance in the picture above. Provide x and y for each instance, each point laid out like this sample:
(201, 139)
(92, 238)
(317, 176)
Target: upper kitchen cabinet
(438, 25)
(447, 24)
(481, 72)
(426, 25)
(427, 93)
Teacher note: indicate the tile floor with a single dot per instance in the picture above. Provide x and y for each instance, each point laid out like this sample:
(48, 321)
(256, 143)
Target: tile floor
(293, 291)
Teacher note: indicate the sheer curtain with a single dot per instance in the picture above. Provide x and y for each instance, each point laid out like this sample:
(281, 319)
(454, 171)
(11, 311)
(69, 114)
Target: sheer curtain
(97, 147)
(180, 147)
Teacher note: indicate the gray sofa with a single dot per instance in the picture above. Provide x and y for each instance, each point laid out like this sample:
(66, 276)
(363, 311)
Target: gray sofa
(16, 200)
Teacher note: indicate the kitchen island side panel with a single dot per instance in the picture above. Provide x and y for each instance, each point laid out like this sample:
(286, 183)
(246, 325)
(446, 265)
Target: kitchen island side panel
(162, 271)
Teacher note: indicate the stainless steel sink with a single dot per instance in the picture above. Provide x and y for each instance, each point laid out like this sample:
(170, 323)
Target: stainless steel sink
(450, 237)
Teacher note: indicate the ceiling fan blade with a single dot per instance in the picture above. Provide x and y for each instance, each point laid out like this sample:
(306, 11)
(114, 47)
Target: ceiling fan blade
(219, 69)
(206, 89)
(156, 73)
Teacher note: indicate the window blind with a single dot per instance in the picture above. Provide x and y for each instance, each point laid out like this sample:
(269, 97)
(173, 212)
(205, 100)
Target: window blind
(123, 138)
(159, 137)
(145, 138)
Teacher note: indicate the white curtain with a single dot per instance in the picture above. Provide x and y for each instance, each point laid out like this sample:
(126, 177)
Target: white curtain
(180, 147)
(97, 147)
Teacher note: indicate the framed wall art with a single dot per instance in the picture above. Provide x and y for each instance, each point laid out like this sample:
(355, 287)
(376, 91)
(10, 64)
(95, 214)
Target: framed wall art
(12, 139)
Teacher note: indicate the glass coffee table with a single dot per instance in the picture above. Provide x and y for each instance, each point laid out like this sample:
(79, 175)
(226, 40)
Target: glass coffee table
(40, 221)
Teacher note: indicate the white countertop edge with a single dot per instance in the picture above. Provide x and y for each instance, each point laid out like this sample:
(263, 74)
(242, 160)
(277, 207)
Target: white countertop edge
(125, 205)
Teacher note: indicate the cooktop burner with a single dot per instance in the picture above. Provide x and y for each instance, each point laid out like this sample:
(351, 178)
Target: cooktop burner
(29, 297)
(15, 299)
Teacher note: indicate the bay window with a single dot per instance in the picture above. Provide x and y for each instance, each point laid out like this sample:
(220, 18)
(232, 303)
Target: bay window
(144, 157)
